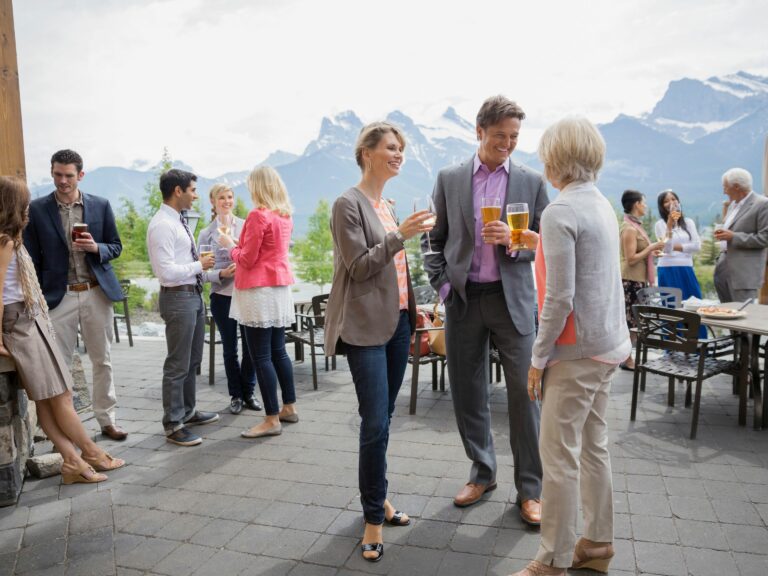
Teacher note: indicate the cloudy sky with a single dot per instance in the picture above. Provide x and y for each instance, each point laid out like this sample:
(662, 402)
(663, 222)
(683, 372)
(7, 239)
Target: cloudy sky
(222, 83)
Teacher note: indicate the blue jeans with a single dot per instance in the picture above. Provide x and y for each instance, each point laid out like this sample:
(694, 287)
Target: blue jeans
(241, 378)
(377, 372)
(267, 349)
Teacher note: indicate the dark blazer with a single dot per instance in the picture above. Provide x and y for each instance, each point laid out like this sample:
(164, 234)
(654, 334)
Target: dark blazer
(364, 303)
(454, 238)
(47, 245)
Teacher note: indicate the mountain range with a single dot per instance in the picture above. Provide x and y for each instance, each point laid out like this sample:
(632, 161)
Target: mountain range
(699, 129)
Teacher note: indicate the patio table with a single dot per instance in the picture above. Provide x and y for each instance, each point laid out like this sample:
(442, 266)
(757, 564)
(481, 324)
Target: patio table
(749, 330)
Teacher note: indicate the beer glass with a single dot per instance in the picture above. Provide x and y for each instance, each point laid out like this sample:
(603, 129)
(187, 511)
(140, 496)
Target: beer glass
(490, 209)
(517, 218)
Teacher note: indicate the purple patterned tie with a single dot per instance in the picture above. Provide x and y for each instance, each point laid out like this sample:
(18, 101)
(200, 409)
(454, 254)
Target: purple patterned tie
(195, 257)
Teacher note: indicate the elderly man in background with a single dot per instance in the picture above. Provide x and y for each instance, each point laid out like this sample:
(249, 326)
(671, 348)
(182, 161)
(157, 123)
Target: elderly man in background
(743, 239)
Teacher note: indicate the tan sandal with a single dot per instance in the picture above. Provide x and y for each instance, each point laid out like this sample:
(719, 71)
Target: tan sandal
(71, 474)
(105, 462)
(593, 555)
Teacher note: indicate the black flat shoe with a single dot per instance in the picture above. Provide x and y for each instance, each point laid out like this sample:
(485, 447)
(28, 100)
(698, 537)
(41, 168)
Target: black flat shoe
(377, 547)
(398, 519)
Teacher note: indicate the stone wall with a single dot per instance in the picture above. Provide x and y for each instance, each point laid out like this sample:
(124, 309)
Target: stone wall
(16, 431)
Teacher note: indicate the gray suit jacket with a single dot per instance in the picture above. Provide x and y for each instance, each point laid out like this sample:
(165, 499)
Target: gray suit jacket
(745, 258)
(454, 236)
(364, 304)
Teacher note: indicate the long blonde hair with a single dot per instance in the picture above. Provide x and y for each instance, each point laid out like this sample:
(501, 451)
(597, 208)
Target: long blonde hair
(268, 191)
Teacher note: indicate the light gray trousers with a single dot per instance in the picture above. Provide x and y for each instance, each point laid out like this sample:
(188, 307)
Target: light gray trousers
(184, 316)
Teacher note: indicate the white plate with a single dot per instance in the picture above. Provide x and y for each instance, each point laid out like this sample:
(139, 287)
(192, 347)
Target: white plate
(724, 316)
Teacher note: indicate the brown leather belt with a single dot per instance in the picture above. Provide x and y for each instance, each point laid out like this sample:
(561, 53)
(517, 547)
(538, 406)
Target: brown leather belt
(182, 288)
(82, 286)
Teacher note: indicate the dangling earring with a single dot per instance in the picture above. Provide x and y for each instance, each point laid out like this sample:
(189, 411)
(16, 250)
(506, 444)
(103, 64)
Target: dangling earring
(369, 166)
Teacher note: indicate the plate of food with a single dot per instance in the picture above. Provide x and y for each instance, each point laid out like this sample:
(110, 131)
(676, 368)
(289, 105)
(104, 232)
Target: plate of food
(721, 312)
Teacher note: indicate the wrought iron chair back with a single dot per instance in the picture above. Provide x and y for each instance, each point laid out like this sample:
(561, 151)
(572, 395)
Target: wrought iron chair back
(667, 328)
(663, 296)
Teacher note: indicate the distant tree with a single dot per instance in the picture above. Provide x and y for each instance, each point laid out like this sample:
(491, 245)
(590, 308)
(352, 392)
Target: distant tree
(153, 198)
(415, 261)
(313, 254)
(241, 210)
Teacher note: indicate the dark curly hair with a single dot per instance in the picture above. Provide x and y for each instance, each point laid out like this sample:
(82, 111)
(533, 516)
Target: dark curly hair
(14, 198)
(68, 157)
(175, 177)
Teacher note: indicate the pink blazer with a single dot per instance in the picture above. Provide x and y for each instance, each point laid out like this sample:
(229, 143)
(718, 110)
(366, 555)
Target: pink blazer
(262, 255)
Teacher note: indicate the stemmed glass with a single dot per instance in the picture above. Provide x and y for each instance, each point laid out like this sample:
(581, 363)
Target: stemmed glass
(425, 203)
(676, 209)
(224, 223)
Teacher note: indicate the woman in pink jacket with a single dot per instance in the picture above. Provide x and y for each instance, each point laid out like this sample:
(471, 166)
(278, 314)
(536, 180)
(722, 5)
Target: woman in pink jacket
(262, 300)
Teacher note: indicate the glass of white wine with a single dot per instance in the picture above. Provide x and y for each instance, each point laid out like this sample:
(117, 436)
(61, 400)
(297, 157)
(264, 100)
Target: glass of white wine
(676, 211)
(425, 203)
(224, 224)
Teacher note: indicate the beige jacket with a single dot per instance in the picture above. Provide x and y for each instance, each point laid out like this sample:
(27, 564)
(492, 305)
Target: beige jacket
(364, 303)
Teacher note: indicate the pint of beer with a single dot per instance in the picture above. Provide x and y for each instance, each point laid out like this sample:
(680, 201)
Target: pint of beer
(490, 209)
(517, 218)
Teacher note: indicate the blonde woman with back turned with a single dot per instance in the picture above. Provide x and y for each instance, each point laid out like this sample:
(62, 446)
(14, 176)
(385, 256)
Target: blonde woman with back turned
(582, 338)
(262, 300)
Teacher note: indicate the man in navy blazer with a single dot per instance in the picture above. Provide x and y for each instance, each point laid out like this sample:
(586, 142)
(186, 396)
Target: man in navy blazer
(76, 275)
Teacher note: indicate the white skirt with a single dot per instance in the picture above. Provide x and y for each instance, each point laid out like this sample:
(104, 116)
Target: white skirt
(263, 307)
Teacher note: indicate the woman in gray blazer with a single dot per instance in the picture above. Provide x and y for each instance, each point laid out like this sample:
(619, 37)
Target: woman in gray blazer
(582, 338)
(371, 312)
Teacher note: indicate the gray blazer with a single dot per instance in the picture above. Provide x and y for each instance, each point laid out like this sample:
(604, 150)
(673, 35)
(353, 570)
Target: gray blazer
(745, 258)
(454, 237)
(364, 303)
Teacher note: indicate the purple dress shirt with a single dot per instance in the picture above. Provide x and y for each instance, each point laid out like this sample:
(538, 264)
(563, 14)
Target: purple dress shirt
(485, 258)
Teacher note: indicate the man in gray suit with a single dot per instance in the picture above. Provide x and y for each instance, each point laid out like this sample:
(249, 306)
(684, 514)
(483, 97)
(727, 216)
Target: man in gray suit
(488, 291)
(743, 239)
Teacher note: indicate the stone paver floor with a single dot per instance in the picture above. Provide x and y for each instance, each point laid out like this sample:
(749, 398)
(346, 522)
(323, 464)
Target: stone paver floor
(289, 504)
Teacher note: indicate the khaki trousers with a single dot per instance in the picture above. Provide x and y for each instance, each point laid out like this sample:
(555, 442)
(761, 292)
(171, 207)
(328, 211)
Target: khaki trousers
(93, 312)
(574, 452)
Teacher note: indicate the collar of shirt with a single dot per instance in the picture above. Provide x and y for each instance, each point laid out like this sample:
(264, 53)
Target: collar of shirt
(171, 212)
(578, 187)
(479, 163)
(78, 202)
(737, 205)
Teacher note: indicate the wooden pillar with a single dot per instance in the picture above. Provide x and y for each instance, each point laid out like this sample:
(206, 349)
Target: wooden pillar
(16, 421)
(11, 136)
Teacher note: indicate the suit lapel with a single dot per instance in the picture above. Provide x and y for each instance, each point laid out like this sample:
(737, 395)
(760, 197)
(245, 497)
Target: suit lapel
(86, 206)
(743, 209)
(53, 212)
(466, 200)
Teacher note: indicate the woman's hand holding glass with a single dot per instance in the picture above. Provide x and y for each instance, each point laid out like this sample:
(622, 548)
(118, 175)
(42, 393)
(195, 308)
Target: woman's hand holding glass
(417, 223)
(529, 239)
(226, 241)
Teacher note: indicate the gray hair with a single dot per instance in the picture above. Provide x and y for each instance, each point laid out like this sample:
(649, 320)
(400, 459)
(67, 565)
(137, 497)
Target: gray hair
(572, 150)
(738, 177)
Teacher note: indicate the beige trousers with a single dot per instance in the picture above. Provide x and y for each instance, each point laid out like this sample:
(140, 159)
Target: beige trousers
(574, 452)
(93, 312)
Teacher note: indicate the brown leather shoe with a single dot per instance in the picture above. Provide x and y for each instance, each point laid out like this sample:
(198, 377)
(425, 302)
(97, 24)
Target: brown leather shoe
(471, 493)
(593, 555)
(530, 512)
(114, 432)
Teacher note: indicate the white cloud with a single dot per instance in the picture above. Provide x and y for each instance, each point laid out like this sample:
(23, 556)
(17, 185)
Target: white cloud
(224, 83)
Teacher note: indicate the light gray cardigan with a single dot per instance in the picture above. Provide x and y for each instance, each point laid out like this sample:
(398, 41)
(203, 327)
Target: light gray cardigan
(579, 272)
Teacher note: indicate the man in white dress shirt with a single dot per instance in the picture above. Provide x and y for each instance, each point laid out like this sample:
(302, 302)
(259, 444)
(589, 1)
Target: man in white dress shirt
(179, 268)
(744, 239)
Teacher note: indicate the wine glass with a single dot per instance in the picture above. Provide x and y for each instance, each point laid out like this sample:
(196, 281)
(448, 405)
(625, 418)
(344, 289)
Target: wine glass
(224, 223)
(425, 203)
(675, 210)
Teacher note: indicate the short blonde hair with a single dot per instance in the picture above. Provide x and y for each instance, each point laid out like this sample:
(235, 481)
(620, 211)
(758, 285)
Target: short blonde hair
(572, 150)
(217, 189)
(370, 136)
(268, 190)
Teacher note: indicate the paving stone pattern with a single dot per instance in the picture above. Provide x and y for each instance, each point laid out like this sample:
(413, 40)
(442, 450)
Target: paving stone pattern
(289, 504)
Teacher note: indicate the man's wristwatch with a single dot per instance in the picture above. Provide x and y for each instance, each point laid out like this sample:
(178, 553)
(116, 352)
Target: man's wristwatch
(399, 236)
